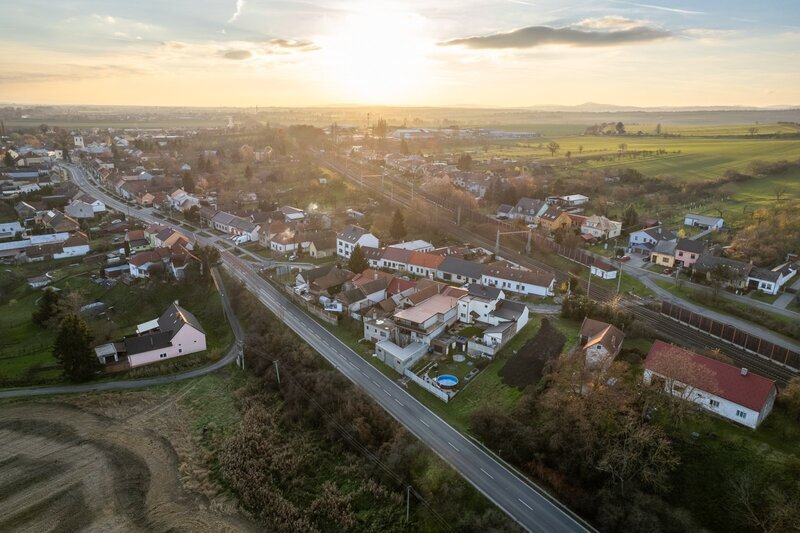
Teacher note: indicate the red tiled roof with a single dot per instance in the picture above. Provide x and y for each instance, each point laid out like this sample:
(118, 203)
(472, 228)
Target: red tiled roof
(425, 260)
(134, 235)
(751, 391)
(370, 275)
(399, 285)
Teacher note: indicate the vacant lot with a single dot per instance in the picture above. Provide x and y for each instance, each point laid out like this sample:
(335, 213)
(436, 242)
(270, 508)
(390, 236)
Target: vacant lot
(527, 365)
(110, 462)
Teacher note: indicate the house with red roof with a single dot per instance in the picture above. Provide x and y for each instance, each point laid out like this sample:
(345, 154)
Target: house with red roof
(424, 264)
(726, 390)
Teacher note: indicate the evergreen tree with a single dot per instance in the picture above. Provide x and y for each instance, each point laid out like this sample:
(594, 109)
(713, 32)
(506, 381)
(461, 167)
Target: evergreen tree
(465, 162)
(48, 307)
(73, 349)
(398, 228)
(8, 160)
(358, 261)
(630, 217)
(187, 182)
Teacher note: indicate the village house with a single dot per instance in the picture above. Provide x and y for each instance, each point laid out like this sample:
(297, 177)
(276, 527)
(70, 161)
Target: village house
(688, 251)
(9, 230)
(600, 342)
(726, 272)
(643, 241)
(457, 270)
(527, 282)
(59, 222)
(322, 245)
(352, 235)
(770, 281)
(395, 258)
(137, 241)
(235, 225)
(663, 253)
(175, 333)
(79, 209)
(424, 264)
(373, 255)
(602, 269)
(528, 209)
(601, 227)
(703, 221)
(146, 264)
(414, 246)
(728, 391)
(554, 219)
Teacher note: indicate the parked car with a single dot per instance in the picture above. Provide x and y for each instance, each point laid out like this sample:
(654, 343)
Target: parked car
(625, 258)
(667, 271)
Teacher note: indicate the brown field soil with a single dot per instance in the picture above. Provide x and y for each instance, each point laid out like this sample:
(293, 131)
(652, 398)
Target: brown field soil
(107, 462)
(527, 365)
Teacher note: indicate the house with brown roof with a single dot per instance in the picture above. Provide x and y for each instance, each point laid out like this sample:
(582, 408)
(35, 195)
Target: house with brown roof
(424, 264)
(554, 219)
(600, 342)
(145, 264)
(602, 269)
(728, 391)
(137, 240)
(59, 222)
(395, 258)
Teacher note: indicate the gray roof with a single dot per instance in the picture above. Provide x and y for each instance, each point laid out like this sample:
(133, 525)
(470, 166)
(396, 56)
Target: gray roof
(688, 245)
(509, 310)
(665, 247)
(374, 286)
(145, 343)
(372, 253)
(505, 208)
(499, 328)
(660, 233)
(175, 316)
(529, 206)
(704, 219)
(708, 262)
(352, 296)
(461, 267)
(318, 272)
(483, 291)
(351, 233)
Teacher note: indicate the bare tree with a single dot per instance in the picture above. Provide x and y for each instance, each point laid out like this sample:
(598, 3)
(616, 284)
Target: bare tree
(553, 147)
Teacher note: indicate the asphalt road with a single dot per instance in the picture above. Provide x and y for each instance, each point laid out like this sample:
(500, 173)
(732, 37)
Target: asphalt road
(527, 504)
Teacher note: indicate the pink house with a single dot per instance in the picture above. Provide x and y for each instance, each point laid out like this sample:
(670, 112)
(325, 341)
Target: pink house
(175, 333)
(687, 252)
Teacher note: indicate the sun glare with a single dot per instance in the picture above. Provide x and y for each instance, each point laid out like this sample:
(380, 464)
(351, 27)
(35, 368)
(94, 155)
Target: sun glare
(377, 54)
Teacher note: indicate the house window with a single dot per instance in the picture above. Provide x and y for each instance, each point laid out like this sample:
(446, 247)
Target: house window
(693, 256)
(163, 355)
(713, 403)
(741, 414)
(180, 350)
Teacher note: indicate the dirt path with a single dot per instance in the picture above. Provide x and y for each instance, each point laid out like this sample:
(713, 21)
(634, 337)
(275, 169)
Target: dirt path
(66, 468)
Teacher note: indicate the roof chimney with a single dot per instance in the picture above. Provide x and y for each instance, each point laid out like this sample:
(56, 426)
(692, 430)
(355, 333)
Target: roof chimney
(744, 371)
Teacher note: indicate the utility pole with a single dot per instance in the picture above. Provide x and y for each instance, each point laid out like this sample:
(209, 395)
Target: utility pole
(408, 503)
(589, 287)
(619, 273)
(458, 216)
(277, 372)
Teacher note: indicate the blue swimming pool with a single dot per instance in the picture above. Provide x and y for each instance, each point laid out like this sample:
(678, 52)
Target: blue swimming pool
(447, 381)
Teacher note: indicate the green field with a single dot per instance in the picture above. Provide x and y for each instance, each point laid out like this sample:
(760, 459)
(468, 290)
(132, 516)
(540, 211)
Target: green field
(25, 351)
(686, 158)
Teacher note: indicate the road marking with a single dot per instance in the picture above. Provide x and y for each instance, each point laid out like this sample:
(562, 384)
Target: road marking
(487, 473)
(363, 373)
(398, 401)
(525, 504)
(426, 424)
(352, 364)
(452, 445)
(387, 392)
(375, 383)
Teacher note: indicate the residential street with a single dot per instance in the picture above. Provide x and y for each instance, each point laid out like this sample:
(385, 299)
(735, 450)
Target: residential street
(529, 505)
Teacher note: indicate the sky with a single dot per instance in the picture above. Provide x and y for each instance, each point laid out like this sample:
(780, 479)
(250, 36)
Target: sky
(504, 53)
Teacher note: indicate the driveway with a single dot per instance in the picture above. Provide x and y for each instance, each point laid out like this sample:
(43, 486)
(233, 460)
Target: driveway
(786, 298)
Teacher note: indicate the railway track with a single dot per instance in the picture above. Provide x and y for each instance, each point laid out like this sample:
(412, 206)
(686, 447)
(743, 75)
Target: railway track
(669, 329)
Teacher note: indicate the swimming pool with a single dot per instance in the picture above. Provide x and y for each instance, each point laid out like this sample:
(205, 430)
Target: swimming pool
(447, 381)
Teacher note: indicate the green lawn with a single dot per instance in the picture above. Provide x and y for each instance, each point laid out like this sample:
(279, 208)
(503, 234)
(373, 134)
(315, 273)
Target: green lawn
(25, 352)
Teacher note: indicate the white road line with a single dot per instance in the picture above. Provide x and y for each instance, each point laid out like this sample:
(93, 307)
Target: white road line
(375, 383)
(352, 364)
(398, 401)
(387, 392)
(487, 473)
(525, 504)
(426, 424)
(363, 373)
(452, 445)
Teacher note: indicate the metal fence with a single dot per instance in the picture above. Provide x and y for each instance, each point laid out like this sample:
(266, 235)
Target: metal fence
(726, 332)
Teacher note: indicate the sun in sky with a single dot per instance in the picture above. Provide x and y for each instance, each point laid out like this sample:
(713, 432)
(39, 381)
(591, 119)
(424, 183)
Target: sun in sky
(377, 53)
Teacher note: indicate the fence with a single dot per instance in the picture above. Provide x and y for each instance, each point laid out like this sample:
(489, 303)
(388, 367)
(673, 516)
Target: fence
(731, 334)
(433, 389)
(311, 308)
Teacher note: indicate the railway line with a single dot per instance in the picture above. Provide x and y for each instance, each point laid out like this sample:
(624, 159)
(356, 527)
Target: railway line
(669, 329)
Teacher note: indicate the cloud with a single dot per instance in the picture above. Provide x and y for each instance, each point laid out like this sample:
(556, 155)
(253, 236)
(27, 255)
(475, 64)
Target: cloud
(70, 72)
(236, 54)
(291, 45)
(611, 22)
(533, 36)
(239, 7)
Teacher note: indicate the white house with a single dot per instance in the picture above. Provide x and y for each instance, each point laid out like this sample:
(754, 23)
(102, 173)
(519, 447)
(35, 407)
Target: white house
(79, 209)
(75, 246)
(235, 225)
(9, 230)
(175, 333)
(528, 209)
(414, 246)
(770, 281)
(645, 240)
(603, 270)
(352, 235)
(397, 357)
(457, 270)
(703, 221)
(538, 283)
(601, 342)
(479, 303)
(728, 391)
(601, 227)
